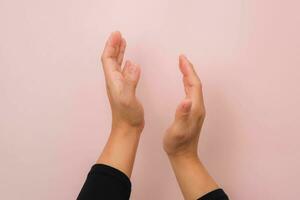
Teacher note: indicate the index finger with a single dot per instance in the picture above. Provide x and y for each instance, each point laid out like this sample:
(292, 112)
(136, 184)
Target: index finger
(191, 81)
(111, 52)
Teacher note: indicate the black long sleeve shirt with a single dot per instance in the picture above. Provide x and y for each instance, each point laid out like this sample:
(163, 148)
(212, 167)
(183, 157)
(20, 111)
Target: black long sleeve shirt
(107, 183)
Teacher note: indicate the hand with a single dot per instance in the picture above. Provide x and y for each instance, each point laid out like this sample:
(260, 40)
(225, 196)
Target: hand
(182, 136)
(127, 111)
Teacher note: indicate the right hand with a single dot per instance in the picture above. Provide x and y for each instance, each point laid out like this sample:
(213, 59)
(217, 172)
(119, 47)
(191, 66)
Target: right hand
(181, 138)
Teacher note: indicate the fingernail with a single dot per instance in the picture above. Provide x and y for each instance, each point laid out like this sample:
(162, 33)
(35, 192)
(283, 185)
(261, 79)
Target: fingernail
(112, 33)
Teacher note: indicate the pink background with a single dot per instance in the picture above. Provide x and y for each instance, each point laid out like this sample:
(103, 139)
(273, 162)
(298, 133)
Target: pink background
(55, 116)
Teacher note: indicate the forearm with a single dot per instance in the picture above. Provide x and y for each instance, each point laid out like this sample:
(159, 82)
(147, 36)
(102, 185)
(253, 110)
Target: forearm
(192, 177)
(120, 149)
(127, 112)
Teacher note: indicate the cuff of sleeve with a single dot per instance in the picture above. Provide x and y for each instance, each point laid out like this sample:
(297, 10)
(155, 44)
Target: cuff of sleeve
(217, 194)
(106, 169)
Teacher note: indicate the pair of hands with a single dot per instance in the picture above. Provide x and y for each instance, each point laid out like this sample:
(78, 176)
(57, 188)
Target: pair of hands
(181, 138)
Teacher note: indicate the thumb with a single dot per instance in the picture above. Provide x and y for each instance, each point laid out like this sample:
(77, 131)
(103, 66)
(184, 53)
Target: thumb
(131, 73)
(183, 110)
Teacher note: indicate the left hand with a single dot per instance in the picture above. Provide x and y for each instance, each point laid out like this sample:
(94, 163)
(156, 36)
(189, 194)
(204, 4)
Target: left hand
(127, 111)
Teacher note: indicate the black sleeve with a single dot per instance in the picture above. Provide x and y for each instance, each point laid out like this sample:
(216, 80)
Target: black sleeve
(105, 182)
(217, 194)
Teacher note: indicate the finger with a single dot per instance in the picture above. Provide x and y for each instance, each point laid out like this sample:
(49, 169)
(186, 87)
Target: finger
(188, 71)
(191, 81)
(121, 52)
(111, 51)
(131, 73)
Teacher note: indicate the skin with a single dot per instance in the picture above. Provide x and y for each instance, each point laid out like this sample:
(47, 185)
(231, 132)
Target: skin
(127, 112)
(181, 138)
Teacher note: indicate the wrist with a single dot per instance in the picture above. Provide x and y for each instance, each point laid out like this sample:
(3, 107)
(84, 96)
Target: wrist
(192, 176)
(124, 128)
(184, 157)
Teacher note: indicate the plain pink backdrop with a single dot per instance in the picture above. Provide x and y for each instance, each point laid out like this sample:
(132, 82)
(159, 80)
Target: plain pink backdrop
(55, 116)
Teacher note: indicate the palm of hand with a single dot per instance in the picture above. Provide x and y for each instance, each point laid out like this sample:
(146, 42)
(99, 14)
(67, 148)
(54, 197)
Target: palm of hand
(121, 84)
(183, 134)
